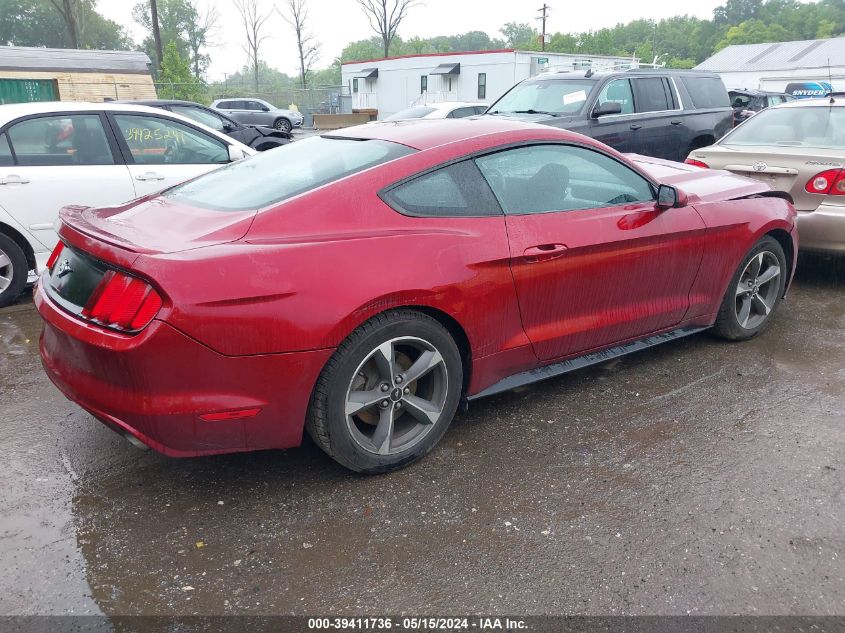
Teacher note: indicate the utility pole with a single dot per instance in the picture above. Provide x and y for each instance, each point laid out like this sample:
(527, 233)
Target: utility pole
(156, 33)
(543, 14)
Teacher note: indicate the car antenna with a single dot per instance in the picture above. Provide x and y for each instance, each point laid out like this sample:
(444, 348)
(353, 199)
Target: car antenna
(830, 82)
(589, 73)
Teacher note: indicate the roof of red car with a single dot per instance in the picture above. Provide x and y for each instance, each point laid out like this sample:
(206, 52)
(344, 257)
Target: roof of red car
(424, 134)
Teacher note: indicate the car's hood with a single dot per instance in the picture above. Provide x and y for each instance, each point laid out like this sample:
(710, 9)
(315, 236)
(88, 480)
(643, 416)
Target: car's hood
(701, 185)
(560, 121)
(158, 225)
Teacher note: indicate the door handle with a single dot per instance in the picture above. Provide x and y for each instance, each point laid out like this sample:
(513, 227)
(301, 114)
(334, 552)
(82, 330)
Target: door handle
(675, 121)
(14, 179)
(150, 175)
(635, 126)
(544, 252)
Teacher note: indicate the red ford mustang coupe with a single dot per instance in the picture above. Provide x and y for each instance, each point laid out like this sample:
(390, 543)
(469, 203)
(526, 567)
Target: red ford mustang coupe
(361, 285)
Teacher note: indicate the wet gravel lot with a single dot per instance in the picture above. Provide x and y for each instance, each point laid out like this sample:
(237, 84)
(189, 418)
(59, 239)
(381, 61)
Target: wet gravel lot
(697, 477)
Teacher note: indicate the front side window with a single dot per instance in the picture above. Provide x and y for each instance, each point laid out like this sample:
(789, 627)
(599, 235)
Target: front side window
(456, 190)
(199, 115)
(556, 96)
(618, 91)
(545, 178)
(5, 152)
(61, 140)
(482, 85)
(158, 141)
(652, 95)
(287, 171)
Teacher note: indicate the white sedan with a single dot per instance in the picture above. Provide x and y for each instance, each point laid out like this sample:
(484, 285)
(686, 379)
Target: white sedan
(57, 153)
(444, 110)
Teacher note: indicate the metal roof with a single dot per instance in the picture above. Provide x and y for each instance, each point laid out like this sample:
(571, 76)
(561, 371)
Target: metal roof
(778, 56)
(72, 60)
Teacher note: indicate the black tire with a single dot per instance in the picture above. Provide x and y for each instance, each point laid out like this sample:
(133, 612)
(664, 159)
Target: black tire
(337, 434)
(728, 325)
(15, 270)
(282, 124)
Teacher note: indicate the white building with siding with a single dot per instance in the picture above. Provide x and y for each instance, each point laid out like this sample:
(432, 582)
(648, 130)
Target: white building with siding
(384, 86)
(771, 66)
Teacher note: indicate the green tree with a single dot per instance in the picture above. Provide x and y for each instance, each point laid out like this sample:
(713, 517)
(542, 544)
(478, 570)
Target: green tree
(37, 23)
(519, 35)
(176, 80)
(181, 23)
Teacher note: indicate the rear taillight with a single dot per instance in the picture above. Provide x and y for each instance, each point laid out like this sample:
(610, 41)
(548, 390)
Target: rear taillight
(54, 256)
(696, 163)
(830, 182)
(122, 302)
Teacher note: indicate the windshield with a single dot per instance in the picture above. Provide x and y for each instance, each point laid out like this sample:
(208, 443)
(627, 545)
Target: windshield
(284, 172)
(555, 96)
(416, 112)
(800, 127)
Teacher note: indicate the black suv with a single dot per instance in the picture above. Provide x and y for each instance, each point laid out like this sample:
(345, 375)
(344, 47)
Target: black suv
(257, 137)
(662, 113)
(747, 103)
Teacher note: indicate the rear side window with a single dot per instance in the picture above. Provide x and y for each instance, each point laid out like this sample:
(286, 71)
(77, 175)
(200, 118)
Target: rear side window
(224, 105)
(61, 140)
(456, 190)
(5, 152)
(287, 171)
(706, 92)
(652, 95)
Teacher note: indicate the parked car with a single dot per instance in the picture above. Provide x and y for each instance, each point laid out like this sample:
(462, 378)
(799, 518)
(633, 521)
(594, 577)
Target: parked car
(798, 147)
(258, 137)
(747, 103)
(443, 110)
(58, 153)
(662, 113)
(251, 111)
(461, 259)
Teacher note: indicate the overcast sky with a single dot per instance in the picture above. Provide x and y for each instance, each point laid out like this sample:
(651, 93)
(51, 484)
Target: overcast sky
(337, 22)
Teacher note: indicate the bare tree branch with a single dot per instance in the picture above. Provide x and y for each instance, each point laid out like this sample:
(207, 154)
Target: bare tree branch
(385, 16)
(296, 15)
(254, 20)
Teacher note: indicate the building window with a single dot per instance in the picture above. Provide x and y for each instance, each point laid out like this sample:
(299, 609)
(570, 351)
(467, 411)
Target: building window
(482, 85)
(423, 84)
(355, 85)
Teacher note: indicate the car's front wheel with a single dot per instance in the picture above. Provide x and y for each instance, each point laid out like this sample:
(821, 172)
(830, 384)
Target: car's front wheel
(13, 270)
(754, 293)
(388, 393)
(282, 124)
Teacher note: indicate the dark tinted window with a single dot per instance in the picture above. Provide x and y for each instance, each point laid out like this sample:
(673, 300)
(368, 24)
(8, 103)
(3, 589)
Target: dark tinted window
(61, 140)
(544, 178)
(453, 191)
(287, 171)
(651, 95)
(226, 105)
(482, 85)
(706, 92)
(5, 152)
(460, 113)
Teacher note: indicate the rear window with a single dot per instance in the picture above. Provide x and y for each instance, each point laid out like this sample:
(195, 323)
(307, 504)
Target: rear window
(417, 112)
(800, 127)
(706, 92)
(284, 172)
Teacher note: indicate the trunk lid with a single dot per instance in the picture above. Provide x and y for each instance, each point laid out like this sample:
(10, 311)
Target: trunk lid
(783, 168)
(158, 225)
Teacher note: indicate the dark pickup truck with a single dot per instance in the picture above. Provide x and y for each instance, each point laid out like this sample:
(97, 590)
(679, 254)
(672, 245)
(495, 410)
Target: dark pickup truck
(662, 113)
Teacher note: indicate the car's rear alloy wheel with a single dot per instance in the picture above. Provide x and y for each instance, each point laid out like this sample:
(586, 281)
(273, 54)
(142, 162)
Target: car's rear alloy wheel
(388, 394)
(13, 270)
(754, 293)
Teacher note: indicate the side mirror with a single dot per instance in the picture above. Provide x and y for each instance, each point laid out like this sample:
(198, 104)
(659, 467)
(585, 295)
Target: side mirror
(670, 197)
(235, 153)
(265, 108)
(606, 108)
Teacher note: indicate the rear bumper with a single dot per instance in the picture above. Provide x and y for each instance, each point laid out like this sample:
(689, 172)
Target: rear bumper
(823, 230)
(156, 384)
